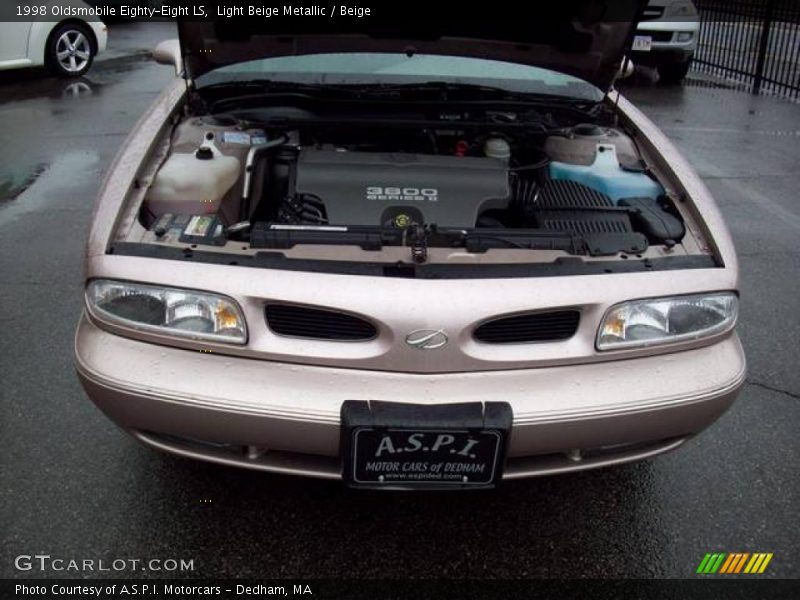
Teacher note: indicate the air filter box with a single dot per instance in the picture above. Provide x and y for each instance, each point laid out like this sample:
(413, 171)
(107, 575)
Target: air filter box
(568, 206)
(574, 207)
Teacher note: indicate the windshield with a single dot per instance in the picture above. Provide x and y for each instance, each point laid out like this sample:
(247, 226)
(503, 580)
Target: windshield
(394, 69)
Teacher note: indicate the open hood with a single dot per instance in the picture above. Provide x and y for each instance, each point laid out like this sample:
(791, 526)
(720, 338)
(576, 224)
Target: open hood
(583, 38)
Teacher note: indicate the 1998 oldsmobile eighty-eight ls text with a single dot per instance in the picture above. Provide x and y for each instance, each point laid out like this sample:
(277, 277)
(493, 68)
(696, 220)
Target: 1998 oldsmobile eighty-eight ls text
(437, 261)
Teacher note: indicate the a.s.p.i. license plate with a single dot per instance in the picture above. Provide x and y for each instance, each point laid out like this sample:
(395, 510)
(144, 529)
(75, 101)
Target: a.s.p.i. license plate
(412, 456)
(406, 445)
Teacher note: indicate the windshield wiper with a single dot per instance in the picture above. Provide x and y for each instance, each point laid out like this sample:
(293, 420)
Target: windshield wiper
(243, 95)
(257, 89)
(441, 87)
(458, 91)
(258, 84)
(254, 89)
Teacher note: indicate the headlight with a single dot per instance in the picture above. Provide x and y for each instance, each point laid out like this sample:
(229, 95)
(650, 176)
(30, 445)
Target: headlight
(171, 311)
(680, 9)
(667, 320)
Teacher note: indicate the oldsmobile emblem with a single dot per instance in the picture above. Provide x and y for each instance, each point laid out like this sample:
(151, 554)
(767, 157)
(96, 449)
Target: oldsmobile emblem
(426, 339)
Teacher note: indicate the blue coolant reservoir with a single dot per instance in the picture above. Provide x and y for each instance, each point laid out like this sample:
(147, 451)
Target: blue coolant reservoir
(605, 175)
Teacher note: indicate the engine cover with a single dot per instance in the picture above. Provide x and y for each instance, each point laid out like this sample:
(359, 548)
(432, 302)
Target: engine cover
(372, 188)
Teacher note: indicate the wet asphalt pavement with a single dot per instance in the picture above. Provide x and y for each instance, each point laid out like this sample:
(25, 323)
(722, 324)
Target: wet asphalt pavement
(73, 486)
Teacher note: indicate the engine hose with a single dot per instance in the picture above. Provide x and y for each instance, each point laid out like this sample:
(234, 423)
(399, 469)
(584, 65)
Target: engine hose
(253, 155)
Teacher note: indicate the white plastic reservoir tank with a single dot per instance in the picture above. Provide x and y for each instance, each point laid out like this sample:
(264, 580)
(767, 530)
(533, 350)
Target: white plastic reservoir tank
(193, 183)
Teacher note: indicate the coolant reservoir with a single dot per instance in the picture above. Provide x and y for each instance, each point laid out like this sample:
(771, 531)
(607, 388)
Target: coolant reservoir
(606, 175)
(579, 146)
(193, 183)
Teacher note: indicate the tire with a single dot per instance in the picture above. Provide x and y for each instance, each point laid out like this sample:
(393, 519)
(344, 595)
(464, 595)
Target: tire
(70, 50)
(673, 73)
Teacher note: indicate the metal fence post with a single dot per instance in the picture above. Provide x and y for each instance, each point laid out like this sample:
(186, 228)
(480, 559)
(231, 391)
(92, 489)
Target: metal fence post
(763, 47)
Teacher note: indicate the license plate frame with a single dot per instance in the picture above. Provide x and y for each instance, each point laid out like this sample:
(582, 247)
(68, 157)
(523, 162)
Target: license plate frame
(389, 445)
(642, 43)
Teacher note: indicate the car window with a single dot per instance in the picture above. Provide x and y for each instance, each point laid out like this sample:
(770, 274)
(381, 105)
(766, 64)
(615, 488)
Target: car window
(379, 68)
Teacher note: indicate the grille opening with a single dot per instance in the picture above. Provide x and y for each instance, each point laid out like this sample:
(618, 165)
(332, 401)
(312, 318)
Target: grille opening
(319, 324)
(530, 327)
(660, 36)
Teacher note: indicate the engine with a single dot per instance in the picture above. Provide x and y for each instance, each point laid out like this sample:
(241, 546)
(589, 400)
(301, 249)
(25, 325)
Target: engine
(433, 187)
(373, 188)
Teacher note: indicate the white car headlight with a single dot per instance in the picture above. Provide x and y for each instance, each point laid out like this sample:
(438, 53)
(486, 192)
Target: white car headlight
(667, 320)
(680, 9)
(171, 311)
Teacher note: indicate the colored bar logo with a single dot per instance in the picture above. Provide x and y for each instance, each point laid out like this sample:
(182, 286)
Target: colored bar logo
(734, 563)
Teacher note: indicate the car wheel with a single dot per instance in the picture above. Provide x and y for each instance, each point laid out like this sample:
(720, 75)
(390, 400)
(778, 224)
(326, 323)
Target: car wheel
(70, 50)
(673, 72)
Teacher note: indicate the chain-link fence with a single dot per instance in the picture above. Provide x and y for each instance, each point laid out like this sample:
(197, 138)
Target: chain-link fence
(753, 42)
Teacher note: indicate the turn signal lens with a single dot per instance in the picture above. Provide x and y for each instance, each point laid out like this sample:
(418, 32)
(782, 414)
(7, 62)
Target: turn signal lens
(667, 320)
(171, 311)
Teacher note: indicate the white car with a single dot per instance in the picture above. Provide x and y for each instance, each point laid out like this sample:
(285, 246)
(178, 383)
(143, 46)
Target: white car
(666, 38)
(65, 37)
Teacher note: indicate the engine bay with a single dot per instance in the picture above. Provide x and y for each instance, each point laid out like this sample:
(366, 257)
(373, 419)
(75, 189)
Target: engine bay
(282, 178)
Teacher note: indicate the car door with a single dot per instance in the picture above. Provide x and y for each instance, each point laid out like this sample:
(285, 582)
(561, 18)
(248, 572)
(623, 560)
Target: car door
(14, 40)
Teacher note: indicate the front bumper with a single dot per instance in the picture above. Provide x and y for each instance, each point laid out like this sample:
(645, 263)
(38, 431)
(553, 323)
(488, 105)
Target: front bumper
(285, 418)
(668, 43)
(101, 35)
